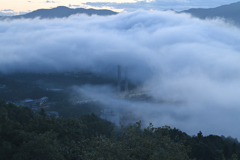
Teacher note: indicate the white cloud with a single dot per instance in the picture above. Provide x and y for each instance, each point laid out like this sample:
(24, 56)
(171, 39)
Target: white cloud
(178, 58)
(177, 5)
(73, 6)
(6, 14)
(11, 13)
(50, 1)
(7, 10)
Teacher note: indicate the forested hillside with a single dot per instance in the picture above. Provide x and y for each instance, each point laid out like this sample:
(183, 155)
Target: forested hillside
(28, 135)
(60, 12)
(228, 12)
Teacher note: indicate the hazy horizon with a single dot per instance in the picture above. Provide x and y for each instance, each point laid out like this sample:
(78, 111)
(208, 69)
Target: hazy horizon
(14, 7)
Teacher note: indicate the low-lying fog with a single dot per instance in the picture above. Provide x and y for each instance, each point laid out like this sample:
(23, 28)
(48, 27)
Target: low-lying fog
(175, 56)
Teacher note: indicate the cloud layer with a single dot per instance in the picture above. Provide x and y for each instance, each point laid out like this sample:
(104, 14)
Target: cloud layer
(177, 58)
(177, 5)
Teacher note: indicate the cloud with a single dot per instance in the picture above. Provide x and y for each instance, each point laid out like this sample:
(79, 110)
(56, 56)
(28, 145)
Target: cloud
(74, 6)
(12, 13)
(190, 64)
(50, 1)
(6, 14)
(21, 13)
(7, 10)
(177, 5)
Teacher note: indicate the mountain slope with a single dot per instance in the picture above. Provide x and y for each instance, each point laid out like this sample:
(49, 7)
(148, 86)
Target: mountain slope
(61, 12)
(230, 12)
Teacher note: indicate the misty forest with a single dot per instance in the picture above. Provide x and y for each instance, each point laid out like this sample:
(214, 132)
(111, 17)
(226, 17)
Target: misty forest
(80, 84)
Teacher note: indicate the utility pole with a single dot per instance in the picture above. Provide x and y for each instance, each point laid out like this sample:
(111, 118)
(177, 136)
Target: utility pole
(126, 80)
(119, 78)
(122, 83)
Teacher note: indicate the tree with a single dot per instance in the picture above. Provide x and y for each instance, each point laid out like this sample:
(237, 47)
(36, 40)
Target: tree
(42, 112)
(226, 151)
(200, 135)
(137, 143)
(39, 147)
(234, 148)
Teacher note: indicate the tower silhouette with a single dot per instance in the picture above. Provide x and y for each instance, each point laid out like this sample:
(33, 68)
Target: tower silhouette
(122, 83)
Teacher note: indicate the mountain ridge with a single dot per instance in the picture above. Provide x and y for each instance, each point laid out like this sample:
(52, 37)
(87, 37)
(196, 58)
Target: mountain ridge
(60, 12)
(230, 12)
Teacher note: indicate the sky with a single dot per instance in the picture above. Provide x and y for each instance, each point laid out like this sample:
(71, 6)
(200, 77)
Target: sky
(14, 7)
(190, 63)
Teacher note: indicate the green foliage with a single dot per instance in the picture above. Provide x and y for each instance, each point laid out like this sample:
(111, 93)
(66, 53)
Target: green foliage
(25, 135)
(135, 143)
(42, 112)
(38, 147)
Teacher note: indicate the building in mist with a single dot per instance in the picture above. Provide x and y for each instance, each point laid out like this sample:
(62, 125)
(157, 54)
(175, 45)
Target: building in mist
(43, 100)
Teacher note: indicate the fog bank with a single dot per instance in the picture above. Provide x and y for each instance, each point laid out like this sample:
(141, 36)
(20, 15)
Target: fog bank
(175, 56)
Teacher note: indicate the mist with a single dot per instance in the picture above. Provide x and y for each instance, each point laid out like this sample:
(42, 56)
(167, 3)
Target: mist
(177, 5)
(176, 58)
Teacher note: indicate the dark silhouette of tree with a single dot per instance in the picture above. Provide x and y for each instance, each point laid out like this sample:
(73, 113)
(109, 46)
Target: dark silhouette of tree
(226, 151)
(199, 135)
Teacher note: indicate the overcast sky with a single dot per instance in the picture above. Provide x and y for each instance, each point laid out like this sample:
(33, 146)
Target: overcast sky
(10, 7)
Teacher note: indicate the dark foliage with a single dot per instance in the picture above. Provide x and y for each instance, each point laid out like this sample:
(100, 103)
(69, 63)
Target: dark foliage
(28, 135)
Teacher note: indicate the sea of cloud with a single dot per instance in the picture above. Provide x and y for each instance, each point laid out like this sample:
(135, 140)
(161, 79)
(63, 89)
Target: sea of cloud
(176, 57)
(177, 5)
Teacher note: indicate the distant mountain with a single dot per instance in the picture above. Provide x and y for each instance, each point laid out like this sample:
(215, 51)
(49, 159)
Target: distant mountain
(230, 12)
(61, 12)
